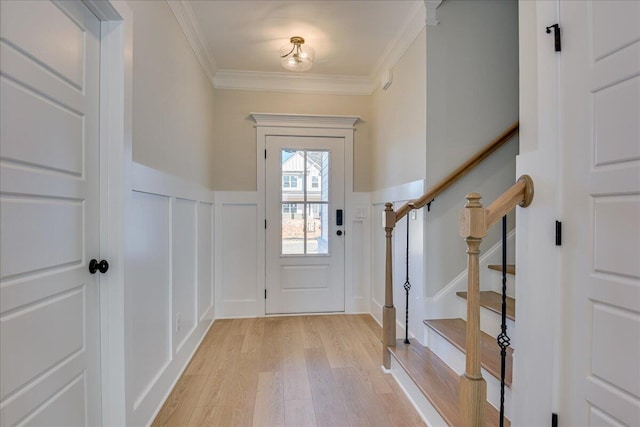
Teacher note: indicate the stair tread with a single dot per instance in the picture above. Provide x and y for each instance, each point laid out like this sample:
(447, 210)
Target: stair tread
(493, 301)
(455, 331)
(439, 383)
(511, 268)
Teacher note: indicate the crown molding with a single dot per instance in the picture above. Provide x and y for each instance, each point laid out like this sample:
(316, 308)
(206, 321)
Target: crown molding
(424, 12)
(288, 82)
(304, 120)
(432, 7)
(396, 49)
(187, 20)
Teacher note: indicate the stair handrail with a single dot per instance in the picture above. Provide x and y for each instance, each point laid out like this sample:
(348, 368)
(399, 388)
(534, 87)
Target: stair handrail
(458, 173)
(392, 217)
(474, 224)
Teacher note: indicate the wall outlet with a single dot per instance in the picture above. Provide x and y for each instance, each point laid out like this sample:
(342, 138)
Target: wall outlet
(178, 322)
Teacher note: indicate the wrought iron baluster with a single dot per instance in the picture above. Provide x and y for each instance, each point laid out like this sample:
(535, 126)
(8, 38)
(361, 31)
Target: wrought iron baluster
(503, 338)
(407, 287)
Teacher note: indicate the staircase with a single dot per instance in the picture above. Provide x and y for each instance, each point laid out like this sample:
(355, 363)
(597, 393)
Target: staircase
(434, 370)
(463, 375)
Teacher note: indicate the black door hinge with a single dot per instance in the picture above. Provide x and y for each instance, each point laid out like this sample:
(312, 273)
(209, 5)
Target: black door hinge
(265, 294)
(558, 233)
(265, 153)
(265, 224)
(556, 36)
(554, 420)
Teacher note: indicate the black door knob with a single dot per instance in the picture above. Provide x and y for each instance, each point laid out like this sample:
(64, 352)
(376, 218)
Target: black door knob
(101, 266)
(339, 232)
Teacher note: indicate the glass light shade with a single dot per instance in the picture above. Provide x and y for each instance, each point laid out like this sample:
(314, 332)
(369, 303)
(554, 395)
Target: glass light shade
(297, 57)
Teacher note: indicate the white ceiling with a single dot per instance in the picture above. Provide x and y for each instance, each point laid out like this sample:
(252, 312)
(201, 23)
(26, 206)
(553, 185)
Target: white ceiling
(351, 38)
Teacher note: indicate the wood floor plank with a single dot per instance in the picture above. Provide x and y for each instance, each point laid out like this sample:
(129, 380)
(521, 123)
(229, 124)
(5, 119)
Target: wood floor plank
(296, 380)
(221, 374)
(269, 406)
(253, 338)
(299, 413)
(310, 337)
(332, 345)
(364, 408)
(276, 371)
(271, 349)
(328, 405)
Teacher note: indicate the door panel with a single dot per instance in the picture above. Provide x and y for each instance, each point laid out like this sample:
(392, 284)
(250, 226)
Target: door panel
(305, 247)
(49, 303)
(600, 107)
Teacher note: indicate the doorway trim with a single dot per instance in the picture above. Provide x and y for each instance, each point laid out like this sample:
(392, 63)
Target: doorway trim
(282, 124)
(116, 50)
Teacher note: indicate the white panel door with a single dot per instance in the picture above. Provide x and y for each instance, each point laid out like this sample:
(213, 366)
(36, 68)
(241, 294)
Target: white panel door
(49, 302)
(305, 231)
(600, 107)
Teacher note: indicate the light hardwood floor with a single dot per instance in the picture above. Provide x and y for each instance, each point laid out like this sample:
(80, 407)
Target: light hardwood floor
(289, 371)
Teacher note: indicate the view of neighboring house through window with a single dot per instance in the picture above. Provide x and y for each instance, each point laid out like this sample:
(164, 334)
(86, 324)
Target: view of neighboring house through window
(289, 181)
(305, 202)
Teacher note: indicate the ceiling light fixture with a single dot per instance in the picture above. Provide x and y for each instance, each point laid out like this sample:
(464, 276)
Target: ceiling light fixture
(294, 57)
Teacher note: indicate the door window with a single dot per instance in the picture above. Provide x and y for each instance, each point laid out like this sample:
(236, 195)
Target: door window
(305, 202)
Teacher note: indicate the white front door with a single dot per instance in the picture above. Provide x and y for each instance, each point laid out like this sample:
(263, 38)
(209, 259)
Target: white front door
(600, 112)
(49, 302)
(305, 224)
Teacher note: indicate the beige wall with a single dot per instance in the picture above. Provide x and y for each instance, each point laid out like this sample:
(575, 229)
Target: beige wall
(399, 122)
(235, 137)
(172, 97)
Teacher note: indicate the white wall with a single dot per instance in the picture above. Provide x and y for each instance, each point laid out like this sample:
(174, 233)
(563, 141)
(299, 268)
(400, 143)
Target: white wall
(168, 284)
(472, 96)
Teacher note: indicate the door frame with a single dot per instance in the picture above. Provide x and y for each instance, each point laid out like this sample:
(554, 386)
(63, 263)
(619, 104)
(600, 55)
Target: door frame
(279, 124)
(537, 367)
(116, 49)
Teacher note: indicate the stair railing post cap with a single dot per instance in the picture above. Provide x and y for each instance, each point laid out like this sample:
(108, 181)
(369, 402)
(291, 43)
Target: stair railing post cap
(473, 218)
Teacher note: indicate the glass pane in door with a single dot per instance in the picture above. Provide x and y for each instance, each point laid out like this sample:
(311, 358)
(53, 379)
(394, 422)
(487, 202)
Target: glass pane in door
(304, 201)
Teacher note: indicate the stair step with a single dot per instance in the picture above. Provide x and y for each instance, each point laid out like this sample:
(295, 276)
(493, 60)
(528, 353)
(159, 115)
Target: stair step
(511, 268)
(455, 331)
(493, 301)
(439, 383)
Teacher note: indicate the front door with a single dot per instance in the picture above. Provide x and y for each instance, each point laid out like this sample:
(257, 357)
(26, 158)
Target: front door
(305, 224)
(600, 109)
(49, 303)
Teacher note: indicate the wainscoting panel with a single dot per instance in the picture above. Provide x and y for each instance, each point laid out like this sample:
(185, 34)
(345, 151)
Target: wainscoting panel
(358, 254)
(240, 260)
(168, 284)
(205, 260)
(148, 290)
(184, 259)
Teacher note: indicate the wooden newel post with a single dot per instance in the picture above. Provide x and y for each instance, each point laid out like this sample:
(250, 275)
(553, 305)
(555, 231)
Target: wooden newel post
(388, 311)
(473, 388)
